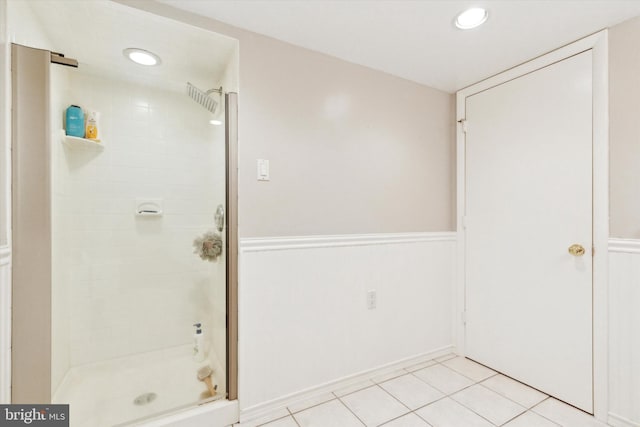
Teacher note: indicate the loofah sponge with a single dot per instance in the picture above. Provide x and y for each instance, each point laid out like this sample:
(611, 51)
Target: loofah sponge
(208, 246)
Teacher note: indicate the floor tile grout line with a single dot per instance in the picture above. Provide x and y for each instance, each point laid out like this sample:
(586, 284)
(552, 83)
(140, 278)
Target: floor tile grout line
(535, 413)
(482, 416)
(466, 376)
(530, 410)
(525, 409)
(273, 420)
(474, 411)
(496, 373)
(547, 418)
(354, 414)
(450, 396)
(294, 418)
(519, 382)
(295, 421)
(544, 416)
(313, 406)
(351, 392)
(400, 401)
(513, 418)
(442, 391)
(418, 415)
(385, 391)
(508, 398)
(393, 419)
(430, 403)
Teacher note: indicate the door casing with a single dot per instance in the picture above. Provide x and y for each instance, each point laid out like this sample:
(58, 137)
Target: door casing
(598, 44)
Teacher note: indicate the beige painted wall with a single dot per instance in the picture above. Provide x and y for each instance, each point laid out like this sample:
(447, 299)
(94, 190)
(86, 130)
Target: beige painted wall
(351, 150)
(624, 133)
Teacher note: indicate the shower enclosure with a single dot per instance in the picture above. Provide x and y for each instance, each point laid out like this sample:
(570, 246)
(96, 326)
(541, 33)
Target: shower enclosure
(135, 266)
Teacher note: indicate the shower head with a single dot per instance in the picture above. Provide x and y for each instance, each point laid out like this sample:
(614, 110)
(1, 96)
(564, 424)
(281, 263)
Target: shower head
(204, 98)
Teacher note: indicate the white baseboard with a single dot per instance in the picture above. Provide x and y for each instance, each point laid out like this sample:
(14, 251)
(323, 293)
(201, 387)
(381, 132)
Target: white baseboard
(266, 408)
(618, 421)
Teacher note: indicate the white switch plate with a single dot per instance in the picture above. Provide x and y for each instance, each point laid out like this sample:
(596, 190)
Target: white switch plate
(263, 170)
(371, 299)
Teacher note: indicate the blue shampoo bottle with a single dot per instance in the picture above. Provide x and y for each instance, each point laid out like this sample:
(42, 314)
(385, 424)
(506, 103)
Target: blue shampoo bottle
(74, 118)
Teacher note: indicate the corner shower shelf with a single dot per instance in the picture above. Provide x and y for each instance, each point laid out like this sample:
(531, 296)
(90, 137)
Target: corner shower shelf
(79, 143)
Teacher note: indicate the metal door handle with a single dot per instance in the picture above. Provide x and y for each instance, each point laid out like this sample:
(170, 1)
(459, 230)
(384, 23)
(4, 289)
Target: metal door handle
(576, 250)
(219, 218)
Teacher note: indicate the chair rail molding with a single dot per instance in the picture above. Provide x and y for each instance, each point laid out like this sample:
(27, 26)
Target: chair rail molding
(262, 244)
(629, 246)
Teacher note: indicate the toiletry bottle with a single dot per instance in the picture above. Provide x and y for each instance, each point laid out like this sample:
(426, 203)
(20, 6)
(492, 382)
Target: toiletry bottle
(74, 121)
(198, 344)
(92, 125)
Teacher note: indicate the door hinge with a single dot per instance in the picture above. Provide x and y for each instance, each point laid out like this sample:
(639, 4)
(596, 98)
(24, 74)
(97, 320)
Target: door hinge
(463, 220)
(464, 317)
(463, 122)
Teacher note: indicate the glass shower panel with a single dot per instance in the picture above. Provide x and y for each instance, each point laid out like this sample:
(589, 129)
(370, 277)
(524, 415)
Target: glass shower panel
(138, 250)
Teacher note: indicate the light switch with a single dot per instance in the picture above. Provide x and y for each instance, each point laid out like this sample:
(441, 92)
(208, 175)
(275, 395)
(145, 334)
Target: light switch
(263, 170)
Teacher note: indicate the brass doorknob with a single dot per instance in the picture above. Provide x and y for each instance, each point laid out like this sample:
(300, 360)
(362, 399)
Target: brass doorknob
(576, 250)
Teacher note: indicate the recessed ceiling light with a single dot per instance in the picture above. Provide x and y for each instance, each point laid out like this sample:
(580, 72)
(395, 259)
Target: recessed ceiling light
(141, 56)
(471, 18)
(215, 122)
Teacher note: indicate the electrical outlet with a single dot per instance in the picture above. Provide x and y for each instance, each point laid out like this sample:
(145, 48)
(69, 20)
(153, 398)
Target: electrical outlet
(371, 299)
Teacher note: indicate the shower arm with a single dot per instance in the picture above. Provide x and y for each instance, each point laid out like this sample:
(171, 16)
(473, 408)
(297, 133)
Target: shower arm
(218, 91)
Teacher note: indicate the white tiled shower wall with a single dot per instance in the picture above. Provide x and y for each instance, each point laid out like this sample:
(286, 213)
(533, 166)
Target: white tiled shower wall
(133, 283)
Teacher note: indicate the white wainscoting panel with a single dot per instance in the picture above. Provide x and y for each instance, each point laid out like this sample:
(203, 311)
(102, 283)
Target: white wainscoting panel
(303, 317)
(624, 332)
(5, 325)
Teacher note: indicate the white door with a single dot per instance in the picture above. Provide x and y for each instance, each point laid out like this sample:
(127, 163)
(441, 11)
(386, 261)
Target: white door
(528, 199)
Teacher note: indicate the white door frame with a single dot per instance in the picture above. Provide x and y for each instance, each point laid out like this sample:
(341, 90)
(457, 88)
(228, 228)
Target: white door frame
(598, 43)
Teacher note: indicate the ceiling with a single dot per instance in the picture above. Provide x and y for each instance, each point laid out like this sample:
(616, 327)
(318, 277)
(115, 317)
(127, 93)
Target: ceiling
(96, 32)
(417, 40)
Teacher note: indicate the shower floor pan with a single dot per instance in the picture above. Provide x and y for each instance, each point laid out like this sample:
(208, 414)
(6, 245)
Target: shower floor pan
(131, 389)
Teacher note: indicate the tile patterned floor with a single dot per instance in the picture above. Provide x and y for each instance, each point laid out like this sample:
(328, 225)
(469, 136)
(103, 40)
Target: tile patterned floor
(446, 392)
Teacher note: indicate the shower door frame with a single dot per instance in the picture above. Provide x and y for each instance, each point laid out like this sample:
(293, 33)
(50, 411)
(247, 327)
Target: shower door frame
(31, 266)
(231, 148)
(42, 327)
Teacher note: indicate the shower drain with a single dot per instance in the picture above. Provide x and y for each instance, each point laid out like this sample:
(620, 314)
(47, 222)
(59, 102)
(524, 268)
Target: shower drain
(145, 399)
